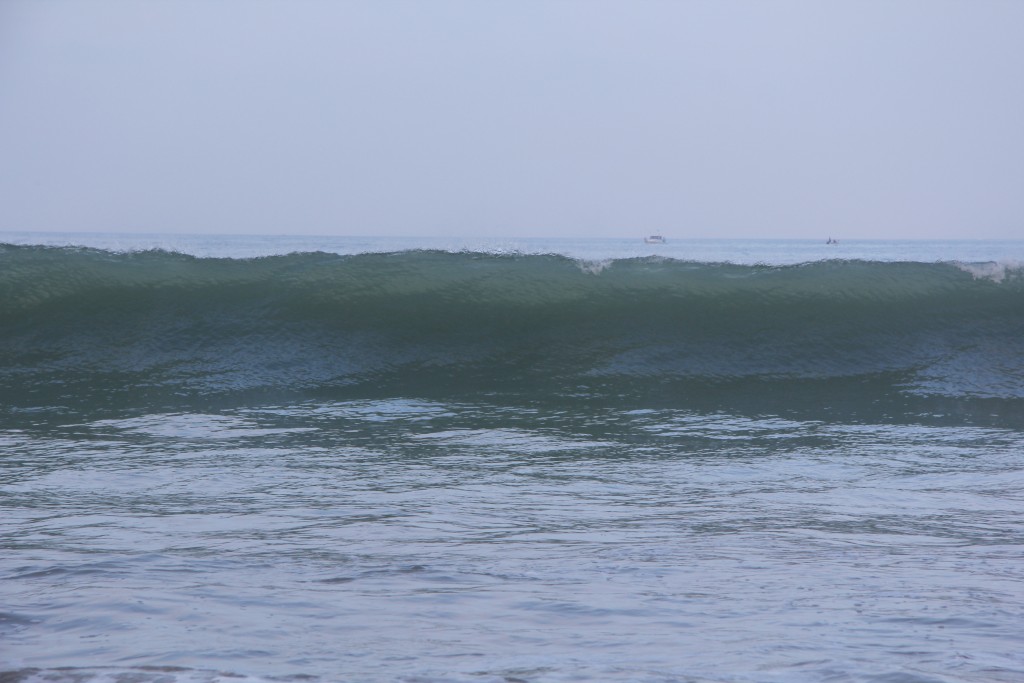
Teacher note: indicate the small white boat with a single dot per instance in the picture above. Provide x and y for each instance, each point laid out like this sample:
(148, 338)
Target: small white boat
(654, 239)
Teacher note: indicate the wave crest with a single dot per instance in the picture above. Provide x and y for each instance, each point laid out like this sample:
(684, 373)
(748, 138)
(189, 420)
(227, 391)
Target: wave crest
(86, 322)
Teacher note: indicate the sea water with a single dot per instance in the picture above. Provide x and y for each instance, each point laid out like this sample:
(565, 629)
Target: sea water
(383, 459)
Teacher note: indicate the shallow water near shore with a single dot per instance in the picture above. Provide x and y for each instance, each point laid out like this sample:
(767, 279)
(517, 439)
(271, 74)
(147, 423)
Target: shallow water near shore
(444, 465)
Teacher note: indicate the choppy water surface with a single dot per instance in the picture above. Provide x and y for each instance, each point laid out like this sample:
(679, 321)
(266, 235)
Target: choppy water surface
(255, 483)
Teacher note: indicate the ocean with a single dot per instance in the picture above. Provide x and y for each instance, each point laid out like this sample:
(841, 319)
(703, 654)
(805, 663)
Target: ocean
(347, 460)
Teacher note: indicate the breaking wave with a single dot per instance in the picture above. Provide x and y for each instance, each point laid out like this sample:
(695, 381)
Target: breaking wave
(85, 327)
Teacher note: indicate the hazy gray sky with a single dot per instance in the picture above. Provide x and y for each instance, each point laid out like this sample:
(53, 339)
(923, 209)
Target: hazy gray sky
(520, 118)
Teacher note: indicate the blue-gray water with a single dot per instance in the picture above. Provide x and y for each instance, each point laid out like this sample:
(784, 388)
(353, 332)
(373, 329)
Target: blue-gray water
(526, 460)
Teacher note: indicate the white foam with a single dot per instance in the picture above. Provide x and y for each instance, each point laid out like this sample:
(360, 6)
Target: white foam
(594, 267)
(996, 271)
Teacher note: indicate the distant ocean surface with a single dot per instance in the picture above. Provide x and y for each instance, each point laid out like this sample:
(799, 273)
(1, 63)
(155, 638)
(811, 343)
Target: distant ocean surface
(361, 460)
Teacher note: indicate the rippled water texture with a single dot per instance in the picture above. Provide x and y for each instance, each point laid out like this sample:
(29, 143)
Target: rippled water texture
(430, 541)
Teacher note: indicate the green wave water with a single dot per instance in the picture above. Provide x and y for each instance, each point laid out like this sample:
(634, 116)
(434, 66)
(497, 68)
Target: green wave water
(87, 328)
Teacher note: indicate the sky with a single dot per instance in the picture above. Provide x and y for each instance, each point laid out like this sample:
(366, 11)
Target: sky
(562, 118)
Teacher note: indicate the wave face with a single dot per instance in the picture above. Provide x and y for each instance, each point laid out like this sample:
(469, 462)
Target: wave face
(81, 328)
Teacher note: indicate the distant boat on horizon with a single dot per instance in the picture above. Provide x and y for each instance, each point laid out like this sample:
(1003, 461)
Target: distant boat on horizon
(831, 241)
(655, 239)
